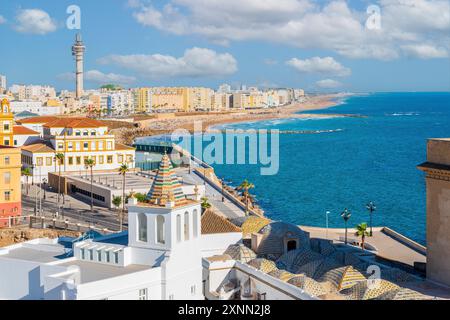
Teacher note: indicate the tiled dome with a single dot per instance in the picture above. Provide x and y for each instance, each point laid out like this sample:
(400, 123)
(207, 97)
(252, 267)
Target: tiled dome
(276, 233)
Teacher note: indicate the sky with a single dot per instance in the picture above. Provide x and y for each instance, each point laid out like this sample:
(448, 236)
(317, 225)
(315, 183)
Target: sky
(357, 46)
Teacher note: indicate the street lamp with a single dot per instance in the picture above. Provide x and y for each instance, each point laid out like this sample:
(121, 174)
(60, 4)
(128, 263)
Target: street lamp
(371, 208)
(346, 214)
(44, 181)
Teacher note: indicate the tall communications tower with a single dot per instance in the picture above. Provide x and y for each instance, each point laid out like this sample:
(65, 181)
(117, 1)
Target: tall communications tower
(78, 52)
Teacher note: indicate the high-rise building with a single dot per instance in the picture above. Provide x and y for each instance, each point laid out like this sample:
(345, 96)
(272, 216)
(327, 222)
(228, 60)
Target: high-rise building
(78, 50)
(33, 92)
(2, 83)
(224, 88)
(142, 98)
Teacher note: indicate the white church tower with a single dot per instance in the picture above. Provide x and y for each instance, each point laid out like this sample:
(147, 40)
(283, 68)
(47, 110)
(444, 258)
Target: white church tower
(166, 229)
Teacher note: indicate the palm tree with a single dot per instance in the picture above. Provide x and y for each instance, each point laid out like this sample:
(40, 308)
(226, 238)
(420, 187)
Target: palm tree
(346, 214)
(361, 231)
(59, 158)
(90, 164)
(26, 172)
(245, 187)
(123, 172)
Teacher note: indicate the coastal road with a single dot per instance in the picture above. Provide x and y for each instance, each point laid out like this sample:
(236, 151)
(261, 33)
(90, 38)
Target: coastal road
(227, 208)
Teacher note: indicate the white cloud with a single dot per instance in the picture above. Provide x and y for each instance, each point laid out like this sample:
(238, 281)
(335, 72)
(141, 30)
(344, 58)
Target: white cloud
(196, 62)
(2, 19)
(424, 51)
(319, 65)
(330, 25)
(105, 78)
(34, 21)
(99, 77)
(328, 84)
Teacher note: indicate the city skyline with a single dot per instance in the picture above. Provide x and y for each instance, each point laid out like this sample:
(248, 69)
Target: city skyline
(163, 44)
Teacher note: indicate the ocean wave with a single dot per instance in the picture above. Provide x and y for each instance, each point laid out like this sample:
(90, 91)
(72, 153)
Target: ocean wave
(403, 114)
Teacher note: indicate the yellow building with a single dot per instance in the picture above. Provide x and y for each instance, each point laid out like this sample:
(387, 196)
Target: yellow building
(199, 99)
(10, 189)
(143, 100)
(169, 99)
(78, 139)
(10, 169)
(7, 124)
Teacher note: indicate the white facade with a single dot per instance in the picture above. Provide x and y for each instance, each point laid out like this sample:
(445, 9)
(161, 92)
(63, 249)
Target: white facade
(33, 92)
(2, 83)
(36, 107)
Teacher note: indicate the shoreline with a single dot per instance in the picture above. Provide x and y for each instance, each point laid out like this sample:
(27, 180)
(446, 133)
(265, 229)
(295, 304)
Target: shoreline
(209, 121)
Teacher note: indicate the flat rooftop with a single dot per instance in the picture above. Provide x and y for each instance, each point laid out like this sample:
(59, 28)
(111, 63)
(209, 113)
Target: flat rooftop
(36, 253)
(113, 181)
(91, 271)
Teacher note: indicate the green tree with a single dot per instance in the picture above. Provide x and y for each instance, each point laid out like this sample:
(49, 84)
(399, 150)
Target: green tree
(205, 204)
(245, 187)
(361, 231)
(90, 164)
(140, 197)
(117, 201)
(123, 172)
(26, 172)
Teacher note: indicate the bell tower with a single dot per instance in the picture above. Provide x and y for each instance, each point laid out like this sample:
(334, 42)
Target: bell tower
(6, 124)
(167, 226)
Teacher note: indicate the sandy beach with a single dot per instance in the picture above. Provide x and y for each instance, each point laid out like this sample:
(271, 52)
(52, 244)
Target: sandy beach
(167, 124)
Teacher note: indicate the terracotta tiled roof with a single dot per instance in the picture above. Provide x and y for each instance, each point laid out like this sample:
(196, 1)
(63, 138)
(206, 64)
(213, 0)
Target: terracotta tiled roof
(21, 130)
(120, 146)
(33, 120)
(39, 148)
(63, 122)
(212, 223)
(74, 123)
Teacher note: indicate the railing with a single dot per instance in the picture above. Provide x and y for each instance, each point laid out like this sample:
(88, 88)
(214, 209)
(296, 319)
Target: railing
(406, 241)
(61, 224)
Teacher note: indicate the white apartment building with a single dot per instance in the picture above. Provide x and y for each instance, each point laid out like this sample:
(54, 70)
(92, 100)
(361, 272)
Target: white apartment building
(224, 88)
(78, 139)
(32, 92)
(120, 102)
(36, 107)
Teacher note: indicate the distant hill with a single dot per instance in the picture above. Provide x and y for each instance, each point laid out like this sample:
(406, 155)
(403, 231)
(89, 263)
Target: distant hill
(111, 87)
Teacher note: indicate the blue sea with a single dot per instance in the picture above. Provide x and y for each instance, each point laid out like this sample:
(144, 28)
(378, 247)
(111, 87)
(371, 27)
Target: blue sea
(362, 159)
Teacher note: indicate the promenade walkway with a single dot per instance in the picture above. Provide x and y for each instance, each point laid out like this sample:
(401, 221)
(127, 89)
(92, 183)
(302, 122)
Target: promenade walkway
(227, 208)
(387, 246)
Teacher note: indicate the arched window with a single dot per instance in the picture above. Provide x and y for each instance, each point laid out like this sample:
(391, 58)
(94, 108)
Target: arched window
(195, 223)
(142, 227)
(160, 230)
(179, 234)
(186, 225)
